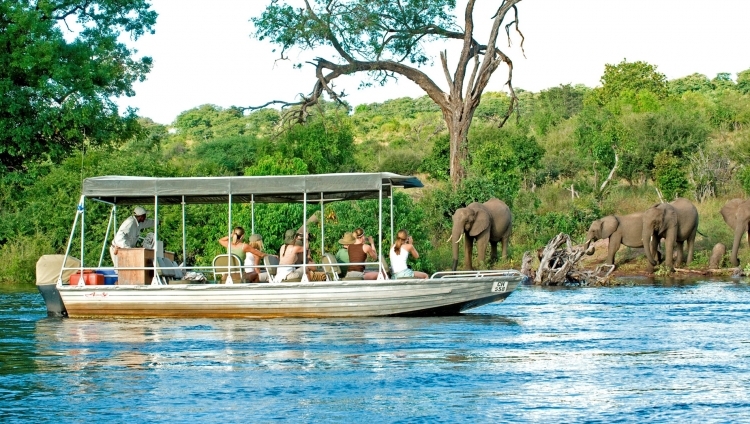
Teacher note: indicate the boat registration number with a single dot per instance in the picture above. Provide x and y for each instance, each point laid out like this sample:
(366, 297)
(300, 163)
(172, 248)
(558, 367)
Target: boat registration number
(499, 286)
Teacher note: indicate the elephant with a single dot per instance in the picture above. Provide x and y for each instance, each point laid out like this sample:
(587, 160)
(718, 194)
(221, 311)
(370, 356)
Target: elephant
(675, 222)
(736, 214)
(490, 221)
(619, 229)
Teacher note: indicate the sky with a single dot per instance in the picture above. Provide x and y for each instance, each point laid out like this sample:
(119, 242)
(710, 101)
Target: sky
(203, 52)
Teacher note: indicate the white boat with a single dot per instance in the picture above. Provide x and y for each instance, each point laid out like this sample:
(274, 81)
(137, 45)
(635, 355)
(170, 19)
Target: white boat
(444, 293)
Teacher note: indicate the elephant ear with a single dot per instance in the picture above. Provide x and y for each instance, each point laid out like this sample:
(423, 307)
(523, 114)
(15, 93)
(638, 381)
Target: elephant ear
(729, 212)
(481, 222)
(609, 226)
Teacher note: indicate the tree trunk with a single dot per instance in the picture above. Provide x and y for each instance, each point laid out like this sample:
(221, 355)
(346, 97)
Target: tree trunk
(458, 121)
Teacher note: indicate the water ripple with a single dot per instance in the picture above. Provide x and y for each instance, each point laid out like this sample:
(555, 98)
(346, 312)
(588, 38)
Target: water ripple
(668, 351)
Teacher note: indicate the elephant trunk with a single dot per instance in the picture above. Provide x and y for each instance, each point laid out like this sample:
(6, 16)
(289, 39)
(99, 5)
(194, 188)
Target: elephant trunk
(646, 238)
(739, 231)
(586, 247)
(456, 235)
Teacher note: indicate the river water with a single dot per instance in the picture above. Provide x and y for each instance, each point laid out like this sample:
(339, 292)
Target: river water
(648, 352)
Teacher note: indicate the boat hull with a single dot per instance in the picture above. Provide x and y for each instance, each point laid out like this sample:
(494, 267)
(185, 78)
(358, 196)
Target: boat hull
(412, 297)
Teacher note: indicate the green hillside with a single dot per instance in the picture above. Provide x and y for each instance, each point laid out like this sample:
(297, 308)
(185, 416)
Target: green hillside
(688, 137)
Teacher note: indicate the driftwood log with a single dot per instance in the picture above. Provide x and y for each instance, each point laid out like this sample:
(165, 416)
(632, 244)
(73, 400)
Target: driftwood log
(558, 265)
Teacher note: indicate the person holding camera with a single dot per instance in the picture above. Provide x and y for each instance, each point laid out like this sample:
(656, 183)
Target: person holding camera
(400, 251)
(238, 247)
(359, 252)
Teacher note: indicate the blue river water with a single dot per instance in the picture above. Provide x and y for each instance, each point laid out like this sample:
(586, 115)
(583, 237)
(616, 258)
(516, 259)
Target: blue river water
(661, 351)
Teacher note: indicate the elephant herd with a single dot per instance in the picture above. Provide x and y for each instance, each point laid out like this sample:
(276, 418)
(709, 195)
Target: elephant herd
(676, 222)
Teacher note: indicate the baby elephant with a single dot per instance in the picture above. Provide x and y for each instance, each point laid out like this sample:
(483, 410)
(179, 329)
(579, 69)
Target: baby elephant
(619, 229)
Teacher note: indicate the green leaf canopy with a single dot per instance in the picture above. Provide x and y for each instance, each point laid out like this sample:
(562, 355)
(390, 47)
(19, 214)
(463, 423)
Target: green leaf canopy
(61, 64)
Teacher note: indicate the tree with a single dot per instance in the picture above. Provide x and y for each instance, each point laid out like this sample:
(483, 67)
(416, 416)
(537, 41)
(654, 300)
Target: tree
(380, 37)
(743, 81)
(58, 83)
(630, 78)
(694, 82)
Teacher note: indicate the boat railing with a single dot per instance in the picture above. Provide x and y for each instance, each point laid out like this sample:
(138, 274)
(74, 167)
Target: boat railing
(478, 273)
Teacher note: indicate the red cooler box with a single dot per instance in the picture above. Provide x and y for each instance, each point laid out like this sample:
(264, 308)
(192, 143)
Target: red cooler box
(90, 278)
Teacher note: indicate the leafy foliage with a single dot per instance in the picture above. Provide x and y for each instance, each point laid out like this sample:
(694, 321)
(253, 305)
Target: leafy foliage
(630, 78)
(325, 145)
(58, 88)
(361, 26)
(670, 176)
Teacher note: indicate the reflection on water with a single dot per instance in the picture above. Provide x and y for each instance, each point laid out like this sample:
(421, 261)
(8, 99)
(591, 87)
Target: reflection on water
(664, 351)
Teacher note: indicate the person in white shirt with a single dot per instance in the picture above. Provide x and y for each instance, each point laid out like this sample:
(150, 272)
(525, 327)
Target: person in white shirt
(127, 234)
(400, 251)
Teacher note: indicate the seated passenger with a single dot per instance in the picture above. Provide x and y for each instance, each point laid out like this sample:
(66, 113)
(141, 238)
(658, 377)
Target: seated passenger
(342, 256)
(294, 246)
(240, 248)
(252, 261)
(359, 251)
(400, 253)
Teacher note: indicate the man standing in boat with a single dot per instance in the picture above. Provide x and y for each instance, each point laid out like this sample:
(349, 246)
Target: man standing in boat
(127, 235)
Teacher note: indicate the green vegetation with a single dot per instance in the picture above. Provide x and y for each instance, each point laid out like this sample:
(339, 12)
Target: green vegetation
(58, 83)
(688, 137)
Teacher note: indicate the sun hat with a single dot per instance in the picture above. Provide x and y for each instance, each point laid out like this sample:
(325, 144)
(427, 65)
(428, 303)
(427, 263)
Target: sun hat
(347, 239)
(289, 237)
(138, 211)
(255, 237)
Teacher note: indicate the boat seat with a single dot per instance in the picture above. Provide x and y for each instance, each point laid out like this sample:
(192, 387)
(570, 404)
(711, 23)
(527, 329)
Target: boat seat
(165, 275)
(175, 275)
(331, 267)
(271, 262)
(221, 266)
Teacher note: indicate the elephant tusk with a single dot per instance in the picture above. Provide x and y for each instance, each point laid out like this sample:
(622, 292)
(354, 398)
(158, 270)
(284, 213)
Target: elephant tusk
(459, 239)
(449, 238)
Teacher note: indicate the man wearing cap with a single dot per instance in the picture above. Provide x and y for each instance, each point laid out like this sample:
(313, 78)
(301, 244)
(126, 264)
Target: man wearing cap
(127, 234)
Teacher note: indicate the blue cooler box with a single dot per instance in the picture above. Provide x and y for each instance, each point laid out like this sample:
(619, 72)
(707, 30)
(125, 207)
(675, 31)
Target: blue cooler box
(110, 278)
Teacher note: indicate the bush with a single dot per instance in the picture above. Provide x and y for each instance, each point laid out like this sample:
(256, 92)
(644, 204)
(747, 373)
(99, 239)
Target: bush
(744, 177)
(670, 176)
(18, 258)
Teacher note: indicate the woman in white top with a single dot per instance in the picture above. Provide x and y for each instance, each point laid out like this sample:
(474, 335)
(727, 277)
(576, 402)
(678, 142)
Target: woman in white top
(400, 252)
(252, 261)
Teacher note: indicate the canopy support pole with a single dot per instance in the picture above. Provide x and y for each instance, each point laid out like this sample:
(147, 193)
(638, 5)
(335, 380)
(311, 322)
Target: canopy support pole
(79, 209)
(305, 243)
(184, 235)
(81, 281)
(381, 267)
(106, 236)
(229, 242)
(322, 226)
(156, 280)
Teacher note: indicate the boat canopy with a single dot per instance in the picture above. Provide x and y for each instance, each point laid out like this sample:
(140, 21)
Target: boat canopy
(126, 190)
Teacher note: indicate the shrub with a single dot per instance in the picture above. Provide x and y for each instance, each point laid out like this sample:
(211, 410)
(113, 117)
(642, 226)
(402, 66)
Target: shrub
(18, 258)
(744, 177)
(670, 176)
